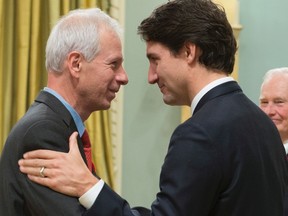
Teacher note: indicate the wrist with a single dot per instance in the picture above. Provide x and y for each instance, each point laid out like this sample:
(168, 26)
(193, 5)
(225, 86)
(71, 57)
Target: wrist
(88, 198)
(85, 185)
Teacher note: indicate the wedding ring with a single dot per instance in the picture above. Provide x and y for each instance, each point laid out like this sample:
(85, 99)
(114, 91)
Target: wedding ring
(42, 172)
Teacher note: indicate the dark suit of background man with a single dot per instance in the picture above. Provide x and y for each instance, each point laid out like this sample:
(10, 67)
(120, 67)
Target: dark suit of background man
(228, 158)
(84, 64)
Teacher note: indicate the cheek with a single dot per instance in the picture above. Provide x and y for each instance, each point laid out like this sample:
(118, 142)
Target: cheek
(285, 120)
(92, 88)
(264, 109)
(283, 112)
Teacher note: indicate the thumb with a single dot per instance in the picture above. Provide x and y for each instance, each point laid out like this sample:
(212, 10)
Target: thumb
(73, 145)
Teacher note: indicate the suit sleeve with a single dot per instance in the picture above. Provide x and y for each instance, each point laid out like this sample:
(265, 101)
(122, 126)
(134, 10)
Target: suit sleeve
(191, 175)
(189, 180)
(109, 203)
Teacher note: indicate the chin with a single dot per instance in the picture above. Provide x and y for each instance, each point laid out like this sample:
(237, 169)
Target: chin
(107, 107)
(102, 107)
(172, 99)
(169, 102)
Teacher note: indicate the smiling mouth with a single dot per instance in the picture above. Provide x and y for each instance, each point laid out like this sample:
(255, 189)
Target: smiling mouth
(276, 121)
(114, 90)
(161, 87)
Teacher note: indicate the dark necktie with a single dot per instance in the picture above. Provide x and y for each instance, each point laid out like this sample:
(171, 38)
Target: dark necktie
(87, 149)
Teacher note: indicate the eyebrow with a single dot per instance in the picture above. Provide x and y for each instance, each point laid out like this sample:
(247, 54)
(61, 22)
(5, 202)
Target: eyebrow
(152, 55)
(115, 58)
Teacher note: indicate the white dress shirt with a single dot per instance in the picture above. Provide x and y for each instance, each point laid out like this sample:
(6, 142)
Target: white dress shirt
(286, 147)
(91, 195)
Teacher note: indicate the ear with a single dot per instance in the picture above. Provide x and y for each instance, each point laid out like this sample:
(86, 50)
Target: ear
(75, 62)
(190, 52)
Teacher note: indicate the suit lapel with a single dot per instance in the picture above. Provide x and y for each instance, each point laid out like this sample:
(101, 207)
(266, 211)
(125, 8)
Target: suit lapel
(53, 103)
(222, 89)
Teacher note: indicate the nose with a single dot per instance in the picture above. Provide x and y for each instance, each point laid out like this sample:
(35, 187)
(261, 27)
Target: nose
(122, 76)
(152, 75)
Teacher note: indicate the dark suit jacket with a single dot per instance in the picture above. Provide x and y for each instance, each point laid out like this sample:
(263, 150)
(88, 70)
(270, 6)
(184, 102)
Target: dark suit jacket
(46, 125)
(226, 160)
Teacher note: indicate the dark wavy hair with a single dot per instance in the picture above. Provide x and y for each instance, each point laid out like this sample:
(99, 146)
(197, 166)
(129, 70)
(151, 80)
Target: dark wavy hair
(200, 22)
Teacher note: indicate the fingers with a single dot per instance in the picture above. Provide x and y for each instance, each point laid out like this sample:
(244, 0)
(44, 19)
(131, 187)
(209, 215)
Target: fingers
(32, 168)
(57, 184)
(47, 181)
(31, 162)
(40, 180)
(73, 137)
(38, 158)
(44, 154)
(74, 152)
(73, 145)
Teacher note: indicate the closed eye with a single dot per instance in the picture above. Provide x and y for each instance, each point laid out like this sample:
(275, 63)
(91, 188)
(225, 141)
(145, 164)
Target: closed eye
(262, 102)
(279, 101)
(116, 64)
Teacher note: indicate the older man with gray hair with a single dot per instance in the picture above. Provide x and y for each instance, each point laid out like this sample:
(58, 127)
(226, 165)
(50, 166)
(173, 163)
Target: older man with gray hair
(274, 100)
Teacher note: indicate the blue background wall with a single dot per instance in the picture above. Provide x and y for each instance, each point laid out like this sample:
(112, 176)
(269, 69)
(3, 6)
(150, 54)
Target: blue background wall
(148, 123)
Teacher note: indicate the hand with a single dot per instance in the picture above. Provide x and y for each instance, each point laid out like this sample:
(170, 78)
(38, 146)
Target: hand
(66, 173)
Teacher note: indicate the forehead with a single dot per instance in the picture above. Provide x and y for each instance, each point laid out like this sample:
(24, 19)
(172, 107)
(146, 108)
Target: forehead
(278, 80)
(110, 43)
(276, 86)
(155, 48)
(109, 37)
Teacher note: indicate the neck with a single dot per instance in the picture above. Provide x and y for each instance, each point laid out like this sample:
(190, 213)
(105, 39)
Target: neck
(64, 86)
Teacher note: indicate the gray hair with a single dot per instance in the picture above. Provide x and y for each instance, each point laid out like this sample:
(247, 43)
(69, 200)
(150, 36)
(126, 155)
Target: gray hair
(276, 71)
(79, 30)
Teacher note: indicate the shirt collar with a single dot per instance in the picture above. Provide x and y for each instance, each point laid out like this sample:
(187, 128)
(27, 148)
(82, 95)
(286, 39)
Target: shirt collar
(76, 117)
(207, 88)
(286, 147)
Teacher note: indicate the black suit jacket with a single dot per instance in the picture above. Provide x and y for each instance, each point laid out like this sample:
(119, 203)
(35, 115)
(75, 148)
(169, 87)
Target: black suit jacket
(226, 160)
(46, 125)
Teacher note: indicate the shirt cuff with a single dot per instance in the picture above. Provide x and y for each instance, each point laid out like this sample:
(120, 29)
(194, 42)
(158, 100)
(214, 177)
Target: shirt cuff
(88, 198)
